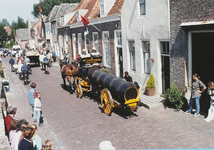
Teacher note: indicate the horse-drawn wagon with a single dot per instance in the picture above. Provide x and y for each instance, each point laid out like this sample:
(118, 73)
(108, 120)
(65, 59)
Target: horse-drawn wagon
(114, 91)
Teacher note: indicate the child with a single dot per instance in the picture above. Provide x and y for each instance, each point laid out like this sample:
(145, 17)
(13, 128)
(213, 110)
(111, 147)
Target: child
(210, 92)
(37, 108)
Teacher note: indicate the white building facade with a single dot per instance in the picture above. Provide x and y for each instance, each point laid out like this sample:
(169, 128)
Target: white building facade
(145, 41)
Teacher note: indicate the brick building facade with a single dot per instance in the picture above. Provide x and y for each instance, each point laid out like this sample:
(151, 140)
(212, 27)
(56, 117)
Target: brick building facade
(183, 11)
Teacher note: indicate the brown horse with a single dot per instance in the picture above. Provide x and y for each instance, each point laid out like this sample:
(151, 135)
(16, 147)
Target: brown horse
(68, 71)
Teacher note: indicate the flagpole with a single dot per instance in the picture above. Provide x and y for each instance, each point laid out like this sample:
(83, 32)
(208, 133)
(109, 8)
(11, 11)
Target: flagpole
(94, 26)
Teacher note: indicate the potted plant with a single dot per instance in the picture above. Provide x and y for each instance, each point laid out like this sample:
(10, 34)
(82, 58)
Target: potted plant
(150, 86)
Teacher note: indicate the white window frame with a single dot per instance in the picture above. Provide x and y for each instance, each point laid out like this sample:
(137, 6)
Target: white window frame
(62, 21)
(96, 43)
(78, 16)
(74, 41)
(66, 42)
(118, 41)
(61, 45)
(53, 28)
(142, 7)
(87, 44)
(132, 57)
(80, 43)
(102, 10)
(146, 57)
(107, 54)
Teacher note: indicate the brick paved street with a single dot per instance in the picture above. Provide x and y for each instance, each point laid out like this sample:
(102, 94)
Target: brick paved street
(79, 124)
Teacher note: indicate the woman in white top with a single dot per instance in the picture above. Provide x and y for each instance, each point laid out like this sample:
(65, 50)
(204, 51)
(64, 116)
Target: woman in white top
(37, 108)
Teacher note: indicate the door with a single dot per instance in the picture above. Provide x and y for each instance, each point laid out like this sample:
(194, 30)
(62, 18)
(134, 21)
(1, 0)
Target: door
(120, 61)
(165, 67)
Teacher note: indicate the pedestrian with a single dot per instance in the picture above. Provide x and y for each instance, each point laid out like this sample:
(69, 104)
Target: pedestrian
(11, 62)
(19, 61)
(54, 56)
(26, 143)
(12, 133)
(31, 97)
(41, 57)
(11, 110)
(49, 56)
(37, 108)
(46, 63)
(127, 77)
(197, 88)
(20, 126)
(37, 141)
(47, 145)
(210, 92)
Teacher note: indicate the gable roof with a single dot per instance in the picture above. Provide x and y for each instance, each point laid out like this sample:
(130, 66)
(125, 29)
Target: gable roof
(65, 8)
(93, 7)
(117, 8)
(22, 33)
(52, 14)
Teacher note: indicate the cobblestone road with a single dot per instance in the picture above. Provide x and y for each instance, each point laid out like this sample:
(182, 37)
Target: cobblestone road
(79, 124)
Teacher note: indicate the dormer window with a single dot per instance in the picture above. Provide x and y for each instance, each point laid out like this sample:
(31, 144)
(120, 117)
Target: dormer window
(78, 16)
(62, 21)
(102, 12)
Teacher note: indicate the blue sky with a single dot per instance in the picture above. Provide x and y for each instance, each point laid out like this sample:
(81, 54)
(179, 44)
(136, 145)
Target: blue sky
(11, 9)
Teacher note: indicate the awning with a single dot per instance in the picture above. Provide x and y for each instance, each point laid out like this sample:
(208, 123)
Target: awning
(185, 24)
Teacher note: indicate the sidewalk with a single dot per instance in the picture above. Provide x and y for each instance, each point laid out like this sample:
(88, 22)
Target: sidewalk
(18, 97)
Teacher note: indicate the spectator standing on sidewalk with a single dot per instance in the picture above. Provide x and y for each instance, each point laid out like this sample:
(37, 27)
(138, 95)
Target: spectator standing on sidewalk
(37, 141)
(21, 125)
(37, 108)
(31, 97)
(26, 143)
(197, 88)
(11, 110)
(210, 92)
(12, 134)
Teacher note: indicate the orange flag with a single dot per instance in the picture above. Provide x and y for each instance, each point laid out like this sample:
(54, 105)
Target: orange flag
(84, 21)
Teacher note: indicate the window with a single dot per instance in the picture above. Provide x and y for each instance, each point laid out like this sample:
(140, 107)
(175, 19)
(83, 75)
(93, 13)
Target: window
(53, 28)
(96, 41)
(106, 48)
(87, 43)
(119, 38)
(66, 42)
(80, 43)
(78, 16)
(165, 48)
(146, 57)
(74, 45)
(102, 10)
(62, 21)
(132, 55)
(142, 7)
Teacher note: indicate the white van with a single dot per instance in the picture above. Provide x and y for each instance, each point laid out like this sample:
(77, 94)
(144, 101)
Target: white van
(16, 49)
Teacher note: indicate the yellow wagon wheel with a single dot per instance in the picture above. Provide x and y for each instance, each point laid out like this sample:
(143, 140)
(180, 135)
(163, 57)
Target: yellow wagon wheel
(106, 101)
(79, 91)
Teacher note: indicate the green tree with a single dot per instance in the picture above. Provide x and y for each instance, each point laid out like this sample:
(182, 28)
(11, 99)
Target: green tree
(4, 22)
(18, 25)
(3, 35)
(47, 6)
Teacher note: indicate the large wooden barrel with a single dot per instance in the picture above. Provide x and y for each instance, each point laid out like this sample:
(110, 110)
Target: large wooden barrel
(95, 76)
(91, 71)
(120, 89)
(127, 91)
(101, 78)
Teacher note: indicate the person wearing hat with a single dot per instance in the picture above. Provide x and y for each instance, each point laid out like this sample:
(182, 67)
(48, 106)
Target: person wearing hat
(94, 50)
(83, 51)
